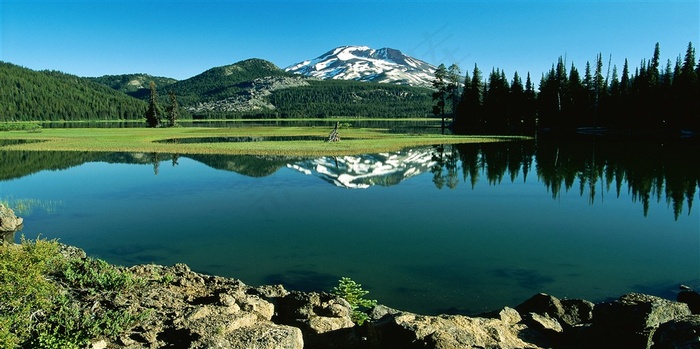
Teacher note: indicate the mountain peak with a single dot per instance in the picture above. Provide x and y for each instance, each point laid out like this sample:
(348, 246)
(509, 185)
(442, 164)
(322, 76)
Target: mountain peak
(363, 63)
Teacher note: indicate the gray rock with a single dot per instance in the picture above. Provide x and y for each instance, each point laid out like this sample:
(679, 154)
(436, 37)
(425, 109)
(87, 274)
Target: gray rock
(568, 312)
(324, 319)
(407, 330)
(263, 336)
(8, 221)
(632, 320)
(544, 323)
(681, 333)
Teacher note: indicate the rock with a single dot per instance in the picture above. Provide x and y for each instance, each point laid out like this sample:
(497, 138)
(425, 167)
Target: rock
(324, 319)
(8, 221)
(692, 299)
(681, 333)
(568, 312)
(507, 315)
(407, 330)
(262, 336)
(576, 312)
(380, 311)
(544, 323)
(632, 320)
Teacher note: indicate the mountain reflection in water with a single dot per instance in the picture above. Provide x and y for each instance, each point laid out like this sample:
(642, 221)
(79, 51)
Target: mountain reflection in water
(648, 171)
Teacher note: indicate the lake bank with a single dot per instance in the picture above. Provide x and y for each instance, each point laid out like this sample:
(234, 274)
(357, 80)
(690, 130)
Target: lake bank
(353, 141)
(176, 307)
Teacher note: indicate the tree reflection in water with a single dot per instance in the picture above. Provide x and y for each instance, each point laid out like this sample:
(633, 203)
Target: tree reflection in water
(652, 170)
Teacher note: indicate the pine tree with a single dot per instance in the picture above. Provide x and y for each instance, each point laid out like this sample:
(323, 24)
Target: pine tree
(530, 108)
(516, 103)
(440, 95)
(453, 75)
(152, 113)
(173, 110)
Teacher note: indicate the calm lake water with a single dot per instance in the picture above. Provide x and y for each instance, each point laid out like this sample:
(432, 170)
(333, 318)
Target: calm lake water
(456, 229)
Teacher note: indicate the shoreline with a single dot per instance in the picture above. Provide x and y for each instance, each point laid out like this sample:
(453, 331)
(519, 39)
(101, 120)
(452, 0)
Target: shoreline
(185, 309)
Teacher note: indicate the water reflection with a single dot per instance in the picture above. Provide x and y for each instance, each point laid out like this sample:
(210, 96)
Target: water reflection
(597, 169)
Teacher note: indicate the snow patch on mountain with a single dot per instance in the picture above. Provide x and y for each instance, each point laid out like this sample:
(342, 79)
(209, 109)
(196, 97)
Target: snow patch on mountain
(363, 63)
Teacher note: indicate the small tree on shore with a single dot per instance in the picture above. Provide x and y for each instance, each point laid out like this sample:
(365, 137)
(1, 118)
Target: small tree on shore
(441, 93)
(173, 110)
(153, 112)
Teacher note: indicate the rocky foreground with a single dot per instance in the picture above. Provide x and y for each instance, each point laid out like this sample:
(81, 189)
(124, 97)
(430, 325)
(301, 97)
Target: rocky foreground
(192, 310)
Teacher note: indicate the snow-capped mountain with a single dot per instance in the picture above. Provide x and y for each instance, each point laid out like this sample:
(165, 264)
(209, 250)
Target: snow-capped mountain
(360, 172)
(366, 64)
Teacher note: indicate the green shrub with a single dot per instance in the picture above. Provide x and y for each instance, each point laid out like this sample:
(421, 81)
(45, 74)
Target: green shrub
(354, 294)
(26, 293)
(96, 276)
(48, 301)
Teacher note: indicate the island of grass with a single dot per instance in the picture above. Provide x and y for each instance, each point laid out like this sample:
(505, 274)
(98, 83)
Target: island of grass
(306, 141)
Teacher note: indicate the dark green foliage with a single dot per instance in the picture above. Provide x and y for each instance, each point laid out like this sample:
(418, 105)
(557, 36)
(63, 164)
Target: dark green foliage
(27, 95)
(222, 82)
(355, 295)
(153, 113)
(135, 85)
(48, 300)
(650, 101)
(440, 95)
(173, 110)
(350, 98)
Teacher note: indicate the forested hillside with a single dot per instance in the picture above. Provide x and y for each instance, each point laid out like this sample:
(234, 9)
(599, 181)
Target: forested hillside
(221, 82)
(27, 95)
(135, 85)
(325, 98)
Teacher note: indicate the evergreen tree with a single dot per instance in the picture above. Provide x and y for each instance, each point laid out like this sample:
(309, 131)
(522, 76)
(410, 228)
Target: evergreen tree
(470, 116)
(599, 88)
(173, 110)
(496, 102)
(530, 108)
(441, 93)
(453, 75)
(516, 103)
(153, 113)
(576, 110)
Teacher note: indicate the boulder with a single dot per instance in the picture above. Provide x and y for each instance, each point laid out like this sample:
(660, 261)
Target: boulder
(691, 298)
(408, 330)
(324, 319)
(632, 320)
(8, 221)
(568, 312)
(681, 333)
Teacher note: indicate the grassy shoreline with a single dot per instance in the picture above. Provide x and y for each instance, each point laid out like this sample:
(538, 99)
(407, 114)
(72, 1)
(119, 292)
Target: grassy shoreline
(354, 140)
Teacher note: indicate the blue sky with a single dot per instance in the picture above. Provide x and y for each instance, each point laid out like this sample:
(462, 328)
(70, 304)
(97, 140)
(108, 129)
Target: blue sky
(181, 39)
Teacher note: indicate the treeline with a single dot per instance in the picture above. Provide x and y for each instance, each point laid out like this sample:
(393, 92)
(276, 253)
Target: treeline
(652, 172)
(351, 98)
(651, 98)
(27, 95)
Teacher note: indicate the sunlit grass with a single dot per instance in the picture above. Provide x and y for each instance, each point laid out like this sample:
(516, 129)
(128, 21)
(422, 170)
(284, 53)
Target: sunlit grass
(353, 140)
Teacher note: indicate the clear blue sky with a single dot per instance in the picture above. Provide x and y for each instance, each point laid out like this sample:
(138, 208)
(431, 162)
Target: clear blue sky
(181, 39)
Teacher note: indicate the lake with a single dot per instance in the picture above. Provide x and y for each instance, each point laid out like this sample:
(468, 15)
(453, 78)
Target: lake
(442, 229)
